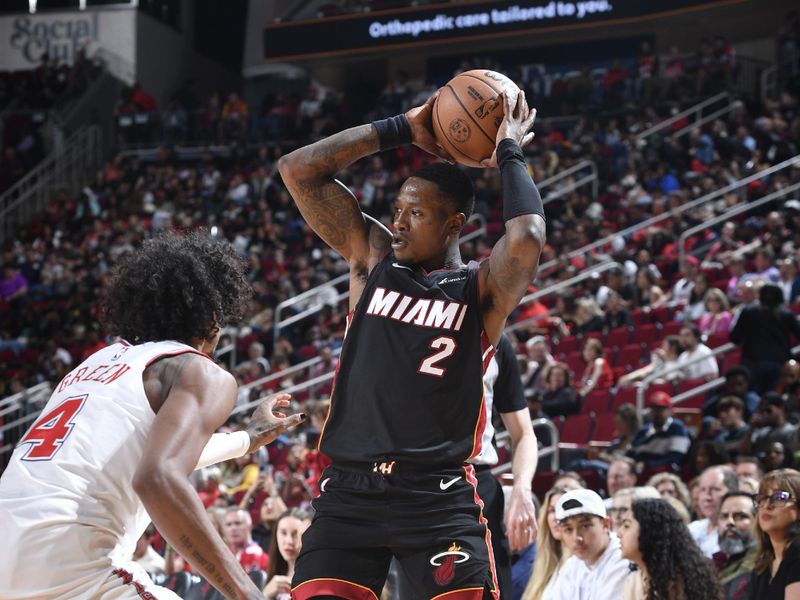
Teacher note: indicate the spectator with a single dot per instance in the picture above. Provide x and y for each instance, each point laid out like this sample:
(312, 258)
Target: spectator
(732, 426)
(707, 453)
(622, 500)
(550, 552)
(749, 467)
(789, 281)
(283, 550)
(715, 482)
(663, 359)
(655, 539)
(13, 285)
(234, 118)
(695, 307)
(769, 425)
(539, 360)
(777, 571)
(616, 313)
(669, 485)
(256, 364)
(663, 441)
(736, 266)
(717, 318)
(570, 480)
(737, 383)
(647, 293)
(144, 554)
(596, 570)
(589, 317)
(615, 280)
(598, 375)
(238, 533)
(737, 544)
(763, 331)
(621, 474)
(681, 292)
(697, 359)
(765, 266)
(270, 510)
(560, 398)
(778, 457)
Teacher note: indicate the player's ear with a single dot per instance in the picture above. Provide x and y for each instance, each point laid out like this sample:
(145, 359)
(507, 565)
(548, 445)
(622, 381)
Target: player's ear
(457, 222)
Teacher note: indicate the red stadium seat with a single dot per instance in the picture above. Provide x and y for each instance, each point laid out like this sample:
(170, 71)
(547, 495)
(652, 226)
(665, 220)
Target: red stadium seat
(596, 402)
(671, 328)
(658, 387)
(629, 356)
(605, 430)
(644, 334)
(717, 340)
(618, 337)
(624, 395)
(732, 359)
(577, 429)
(567, 344)
(575, 363)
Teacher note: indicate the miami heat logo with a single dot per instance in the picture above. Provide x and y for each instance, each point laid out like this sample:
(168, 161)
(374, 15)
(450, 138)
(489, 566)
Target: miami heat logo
(459, 130)
(445, 563)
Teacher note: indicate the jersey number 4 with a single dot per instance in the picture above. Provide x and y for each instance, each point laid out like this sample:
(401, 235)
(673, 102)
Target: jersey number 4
(446, 346)
(50, 431)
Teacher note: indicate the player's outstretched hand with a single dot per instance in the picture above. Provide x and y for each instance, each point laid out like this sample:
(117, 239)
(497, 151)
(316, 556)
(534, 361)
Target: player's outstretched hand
(420, 119)
(516, 124)
(266, 424)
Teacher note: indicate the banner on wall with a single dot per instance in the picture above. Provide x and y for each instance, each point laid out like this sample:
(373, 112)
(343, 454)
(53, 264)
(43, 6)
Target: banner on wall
(108, 34)
(454, 22)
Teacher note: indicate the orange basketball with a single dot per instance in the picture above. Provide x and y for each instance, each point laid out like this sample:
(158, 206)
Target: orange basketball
(468, 112)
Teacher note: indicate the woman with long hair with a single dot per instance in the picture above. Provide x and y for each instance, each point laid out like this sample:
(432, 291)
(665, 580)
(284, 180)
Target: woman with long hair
(283, 551)
(776, 575)
(598, 374)
(550, 554)
(670, 564)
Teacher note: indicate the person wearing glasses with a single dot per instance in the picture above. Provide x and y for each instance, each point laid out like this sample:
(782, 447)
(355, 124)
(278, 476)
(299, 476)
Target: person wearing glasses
(737, 544)
(777, 567)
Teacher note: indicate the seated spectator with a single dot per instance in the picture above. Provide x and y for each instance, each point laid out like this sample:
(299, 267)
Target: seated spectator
(737, 544)
(616, 313)
(707, 453)
(663, 441)
(238, 528)
(695, 308)
(790, 377)
(777, 564)
(559, 399)
(589, 317)
(622, 499)
(270, 510)
(732, 426)
(738, 271)
(765, 268)
(539, 359)
(550, 552)
(596, 570)
(627, 422)
(681, 291)
(763, 331)
(717, 318)
(647, 293)
(778, 457)
(621, 474)
(669, 485)
(737, 383)
(767, 426)
(144, 554)
(598, 375)
(615, 281)
(570, 480)
(715, 482)
(697, 359)
(656, 540)
(234, 118)
(662, 359)
(790, 280)
(256, 364)
(749, 467)
(287, 541)
(13, 285)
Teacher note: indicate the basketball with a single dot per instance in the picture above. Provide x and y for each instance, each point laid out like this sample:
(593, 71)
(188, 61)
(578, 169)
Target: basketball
(468, 112)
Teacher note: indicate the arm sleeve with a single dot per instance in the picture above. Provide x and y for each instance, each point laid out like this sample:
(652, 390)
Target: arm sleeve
(509, 395)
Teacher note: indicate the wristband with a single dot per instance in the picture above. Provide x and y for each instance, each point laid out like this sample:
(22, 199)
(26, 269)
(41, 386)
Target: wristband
(520, 195)
(222, 447)
(393, 132)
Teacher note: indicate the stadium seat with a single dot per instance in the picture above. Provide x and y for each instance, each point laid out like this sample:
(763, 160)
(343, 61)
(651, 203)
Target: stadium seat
(624, 395)
(617, 338)
(629, 357)
(732, 359)
(605, 430)
(567, 344)
(667, 387)
(596, 402)
(644, 334)
(575, 363)
(671, 328)
(662, 314)
(717, 340)
(576, 429)
(688, 384)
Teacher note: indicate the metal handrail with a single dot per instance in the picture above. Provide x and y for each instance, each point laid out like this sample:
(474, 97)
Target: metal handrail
(287, 371)
(703, 120)
(557, 287)
(727, 215)
(789, 162)
(551, 450)
(24, 394)
(591, 178)
(641, 387)
(681, 115)
(341, 296)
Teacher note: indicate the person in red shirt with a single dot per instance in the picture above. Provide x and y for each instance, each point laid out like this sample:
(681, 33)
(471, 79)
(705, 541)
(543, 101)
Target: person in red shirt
(598, 374)
(237, 528)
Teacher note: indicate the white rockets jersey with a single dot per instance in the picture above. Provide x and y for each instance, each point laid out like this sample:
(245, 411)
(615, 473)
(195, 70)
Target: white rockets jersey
(68, 510)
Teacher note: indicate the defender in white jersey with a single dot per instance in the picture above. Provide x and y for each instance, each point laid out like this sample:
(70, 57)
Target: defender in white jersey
(114, 444)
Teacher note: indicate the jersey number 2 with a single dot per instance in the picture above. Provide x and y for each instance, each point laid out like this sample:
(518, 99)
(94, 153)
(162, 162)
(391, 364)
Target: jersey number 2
(428, 366)
(50, 431)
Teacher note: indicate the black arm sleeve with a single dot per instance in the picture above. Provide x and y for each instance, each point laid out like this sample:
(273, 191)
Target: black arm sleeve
(509, 395)
(520, 195)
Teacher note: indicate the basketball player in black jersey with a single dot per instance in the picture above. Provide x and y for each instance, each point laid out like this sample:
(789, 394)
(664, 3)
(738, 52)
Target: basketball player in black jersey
(407, 410)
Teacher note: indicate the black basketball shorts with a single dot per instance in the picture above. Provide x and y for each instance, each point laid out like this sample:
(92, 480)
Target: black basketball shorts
(430, 520)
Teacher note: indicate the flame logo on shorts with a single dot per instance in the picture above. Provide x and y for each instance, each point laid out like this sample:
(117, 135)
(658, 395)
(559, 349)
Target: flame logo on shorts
(445, 563)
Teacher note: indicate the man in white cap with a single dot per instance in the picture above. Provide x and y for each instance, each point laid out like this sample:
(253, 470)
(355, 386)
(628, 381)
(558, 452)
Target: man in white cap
(596, 570)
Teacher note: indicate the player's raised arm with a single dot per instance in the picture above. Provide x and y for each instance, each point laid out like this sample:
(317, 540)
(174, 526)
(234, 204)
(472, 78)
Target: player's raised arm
(514, 259)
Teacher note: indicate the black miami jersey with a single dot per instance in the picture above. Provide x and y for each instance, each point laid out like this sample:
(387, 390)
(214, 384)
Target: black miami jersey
(409, 382)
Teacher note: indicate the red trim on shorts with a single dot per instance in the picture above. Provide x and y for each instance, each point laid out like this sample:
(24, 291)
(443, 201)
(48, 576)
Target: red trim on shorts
(465, 594)
(470, 477)
(127, 578)
(332, 587)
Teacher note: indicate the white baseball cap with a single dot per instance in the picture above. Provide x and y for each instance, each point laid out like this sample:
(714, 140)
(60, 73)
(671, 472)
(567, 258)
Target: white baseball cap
(580, 502)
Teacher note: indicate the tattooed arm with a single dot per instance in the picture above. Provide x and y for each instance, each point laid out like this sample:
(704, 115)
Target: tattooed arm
(192, 397)
(329, 207)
